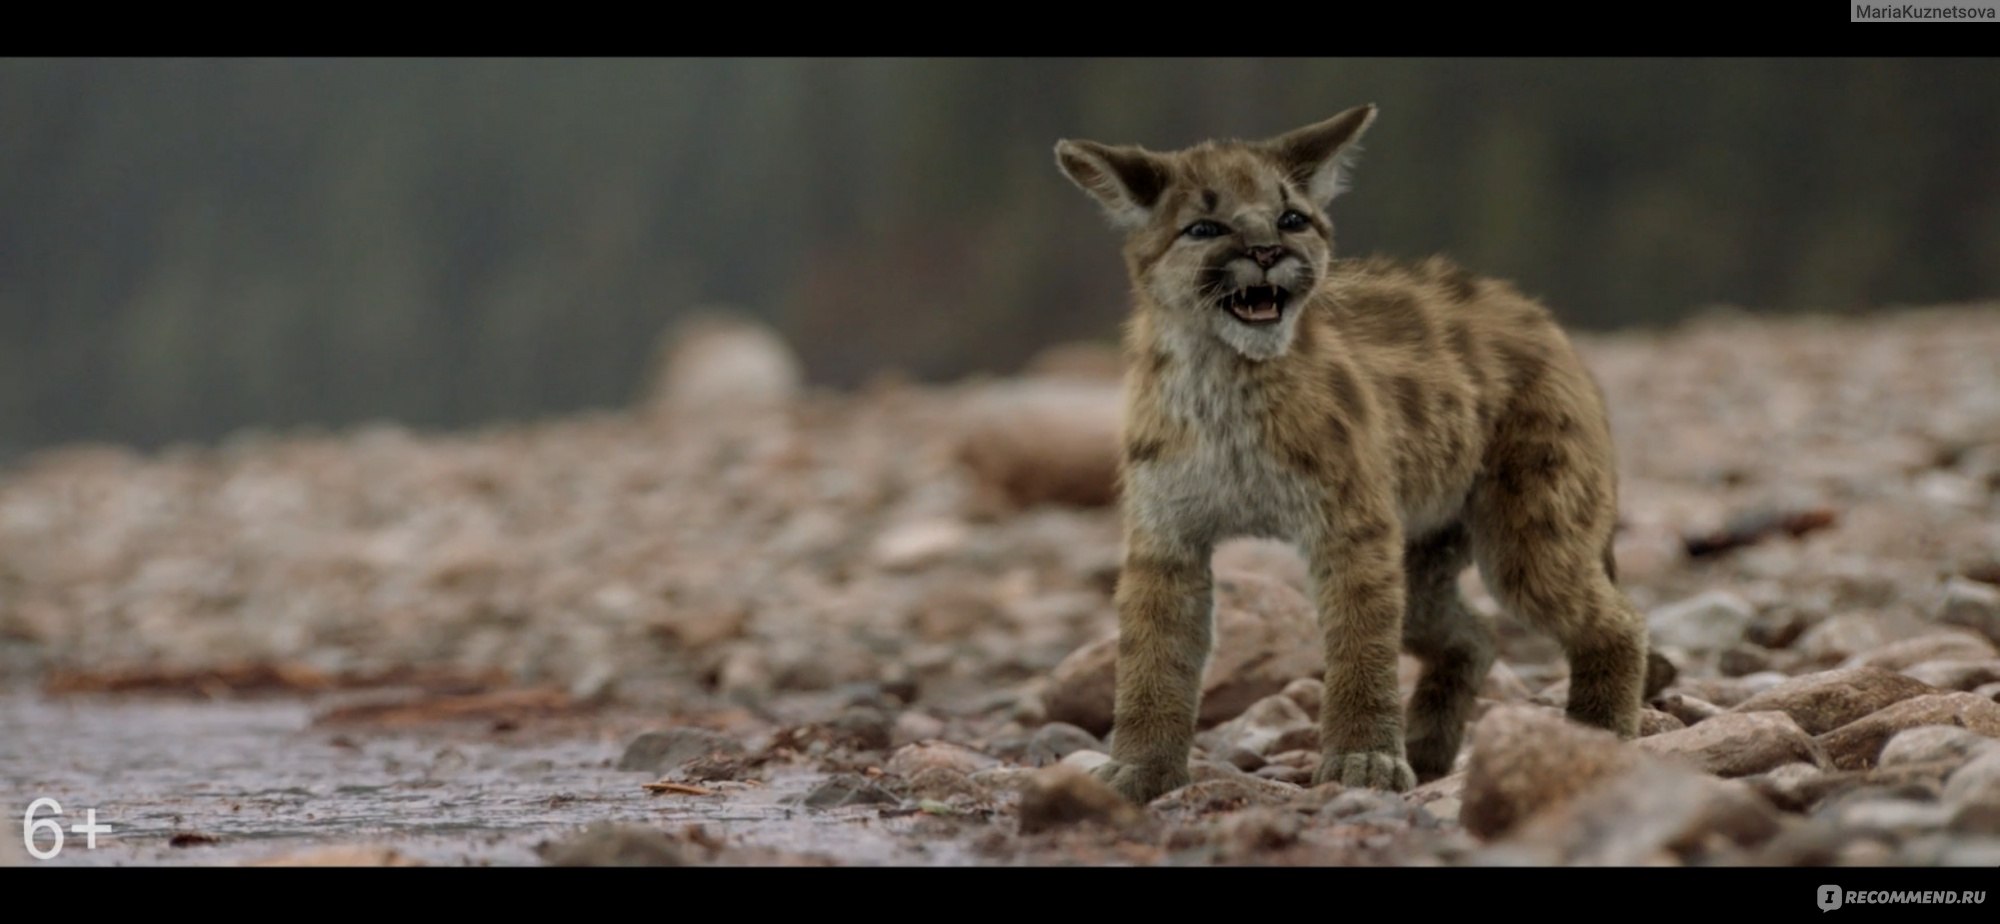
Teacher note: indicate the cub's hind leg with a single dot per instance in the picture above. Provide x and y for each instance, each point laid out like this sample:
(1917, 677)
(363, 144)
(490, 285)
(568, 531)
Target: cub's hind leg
(1454, 644)
(1540, 519)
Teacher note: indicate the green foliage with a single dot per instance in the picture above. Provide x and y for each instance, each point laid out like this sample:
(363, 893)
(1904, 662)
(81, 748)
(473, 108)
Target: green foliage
(194, 246)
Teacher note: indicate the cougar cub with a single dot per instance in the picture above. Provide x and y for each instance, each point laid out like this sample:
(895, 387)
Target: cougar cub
(1395, 422)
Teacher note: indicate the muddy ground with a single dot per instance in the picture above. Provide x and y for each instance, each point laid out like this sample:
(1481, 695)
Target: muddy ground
(745, 624)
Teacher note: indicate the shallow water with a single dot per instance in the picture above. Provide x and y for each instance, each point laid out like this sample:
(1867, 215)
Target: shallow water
(264, 781)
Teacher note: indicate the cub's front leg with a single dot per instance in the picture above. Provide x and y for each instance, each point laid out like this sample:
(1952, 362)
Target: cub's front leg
(1357, 570)
(1165, 598)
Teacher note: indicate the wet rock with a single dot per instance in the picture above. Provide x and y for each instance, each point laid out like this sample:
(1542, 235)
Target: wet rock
(1650, 814)
(1526, 759)
(1710, 621)
(865, 728)
(1930, 744)
(1002, 778)
(1062, 796)
(1858, 743)
(1265, 638)
(1688, 709)
(1939, 646)
(1974, 605)
(1042, 442)
(1270, 725)
(717, 766)
(911, 546)
(911, 759)
(1739, 744)
(847, 789)
(1654, 722)
(616, 844)
(1956, 675)
(1827, 700)
(943, 784)
(658, 752)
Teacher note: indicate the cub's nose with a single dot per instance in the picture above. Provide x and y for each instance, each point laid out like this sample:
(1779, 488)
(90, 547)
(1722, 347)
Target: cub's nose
(1267, 257)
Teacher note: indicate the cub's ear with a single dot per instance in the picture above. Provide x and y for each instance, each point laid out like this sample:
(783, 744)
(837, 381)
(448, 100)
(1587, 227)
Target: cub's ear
(1127, 181)
(1316, 156)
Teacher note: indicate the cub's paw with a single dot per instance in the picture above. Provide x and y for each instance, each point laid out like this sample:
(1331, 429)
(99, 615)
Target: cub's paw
(1370, 769)
(1142, 783)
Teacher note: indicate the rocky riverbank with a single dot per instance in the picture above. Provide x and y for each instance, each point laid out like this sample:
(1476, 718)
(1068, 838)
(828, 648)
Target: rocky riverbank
(888, 612)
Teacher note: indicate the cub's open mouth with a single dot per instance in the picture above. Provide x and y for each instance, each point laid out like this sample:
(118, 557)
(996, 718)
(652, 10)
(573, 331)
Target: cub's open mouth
(1257, 304)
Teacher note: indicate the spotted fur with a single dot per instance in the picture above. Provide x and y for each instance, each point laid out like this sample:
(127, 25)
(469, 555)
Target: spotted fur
(1396, 422)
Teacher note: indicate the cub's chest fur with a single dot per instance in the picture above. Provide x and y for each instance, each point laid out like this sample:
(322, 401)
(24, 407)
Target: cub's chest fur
(1215, 477)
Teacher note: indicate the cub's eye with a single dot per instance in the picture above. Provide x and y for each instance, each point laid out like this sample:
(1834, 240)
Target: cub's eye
(1204, 229)
(1293, 220)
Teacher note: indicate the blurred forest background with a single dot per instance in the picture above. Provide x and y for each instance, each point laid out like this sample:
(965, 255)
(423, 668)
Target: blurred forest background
(189, 247)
